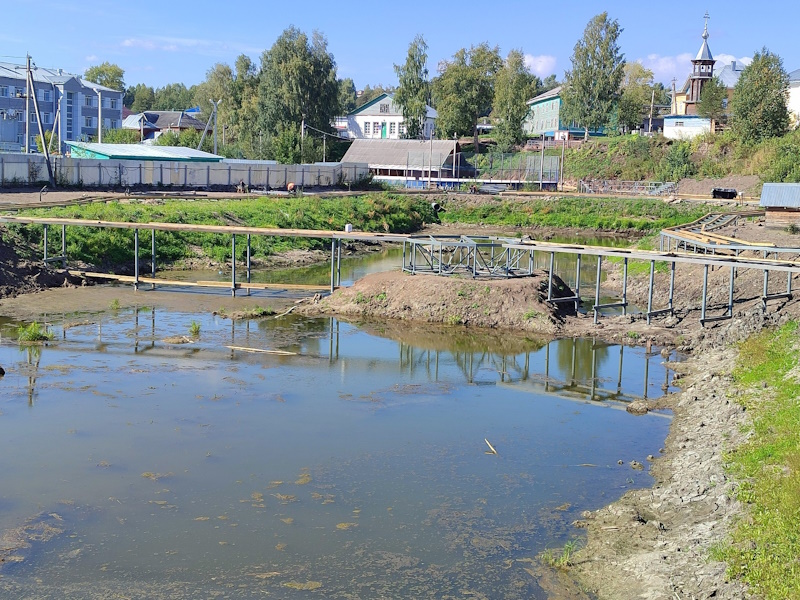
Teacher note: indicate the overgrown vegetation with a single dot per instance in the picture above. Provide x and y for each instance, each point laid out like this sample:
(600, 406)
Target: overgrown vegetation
(380, 212)
(640, 158)
(609, 214)
(764, 546)
(33, 332)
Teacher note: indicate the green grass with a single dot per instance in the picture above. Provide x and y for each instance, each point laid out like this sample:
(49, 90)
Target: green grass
(764, 547)
(194, 329)
(375, 212)
(605, 214)
(563, 559)
(33, 332)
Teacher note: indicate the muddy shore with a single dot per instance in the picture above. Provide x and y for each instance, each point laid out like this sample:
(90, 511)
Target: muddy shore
(653, 543)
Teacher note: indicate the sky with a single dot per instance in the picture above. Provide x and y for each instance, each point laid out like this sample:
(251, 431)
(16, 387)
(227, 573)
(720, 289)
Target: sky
(157, 43)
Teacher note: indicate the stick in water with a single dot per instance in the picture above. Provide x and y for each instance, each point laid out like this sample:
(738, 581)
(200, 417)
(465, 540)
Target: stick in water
(493, 451)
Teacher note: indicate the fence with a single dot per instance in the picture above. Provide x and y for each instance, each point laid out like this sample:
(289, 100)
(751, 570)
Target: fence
(30, 169)
(520, 166)
(638, 188)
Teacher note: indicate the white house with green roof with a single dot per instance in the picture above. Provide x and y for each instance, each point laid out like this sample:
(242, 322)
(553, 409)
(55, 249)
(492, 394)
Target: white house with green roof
(380, 118)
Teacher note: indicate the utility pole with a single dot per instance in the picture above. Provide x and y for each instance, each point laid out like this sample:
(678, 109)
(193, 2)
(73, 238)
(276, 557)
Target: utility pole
(216, 105)
(27, 103)
(32, 92)
(652, 101)
(541, 167)
(561, 176)
(302, 137)
(99, 116)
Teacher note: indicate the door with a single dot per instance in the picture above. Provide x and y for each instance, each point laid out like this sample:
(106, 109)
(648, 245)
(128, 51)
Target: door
(383, 130)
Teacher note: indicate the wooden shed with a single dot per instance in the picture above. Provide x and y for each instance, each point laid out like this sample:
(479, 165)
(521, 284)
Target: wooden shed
(781, 201)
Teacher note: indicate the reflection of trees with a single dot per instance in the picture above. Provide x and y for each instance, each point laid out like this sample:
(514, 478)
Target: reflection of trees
(296, 334)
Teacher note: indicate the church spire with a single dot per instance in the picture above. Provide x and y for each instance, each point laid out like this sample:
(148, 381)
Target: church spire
(705, 53)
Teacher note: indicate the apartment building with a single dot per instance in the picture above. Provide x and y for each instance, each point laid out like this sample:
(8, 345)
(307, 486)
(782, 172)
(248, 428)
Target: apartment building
(68, 105)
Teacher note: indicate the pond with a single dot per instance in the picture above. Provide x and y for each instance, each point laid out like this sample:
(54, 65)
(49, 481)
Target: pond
(354, 462)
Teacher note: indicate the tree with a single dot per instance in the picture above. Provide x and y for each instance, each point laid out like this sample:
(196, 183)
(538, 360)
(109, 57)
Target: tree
(143, 98)
(173, 96)
(591, 88)
(106, 74)
(464, 90)
(121, 136)
(347, 95)
(759, 109)
(712, 100)
(550, 82)
(298, 83)
(514, 85)
(636, 92)
(370, 93)
(413, 89)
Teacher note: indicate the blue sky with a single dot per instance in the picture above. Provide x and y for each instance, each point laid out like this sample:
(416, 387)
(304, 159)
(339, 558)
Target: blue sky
(167, 42)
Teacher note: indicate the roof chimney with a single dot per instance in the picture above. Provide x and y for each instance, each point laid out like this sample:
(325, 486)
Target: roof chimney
(733, 65)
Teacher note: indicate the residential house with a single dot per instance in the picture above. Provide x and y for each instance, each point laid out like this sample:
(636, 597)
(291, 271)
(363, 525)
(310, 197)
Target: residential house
(153, 123)
(381, 118)
(794, 97)
(544, 119)
(68, 105)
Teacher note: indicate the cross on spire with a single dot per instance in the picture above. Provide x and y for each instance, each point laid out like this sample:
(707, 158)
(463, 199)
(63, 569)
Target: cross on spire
(705, 31)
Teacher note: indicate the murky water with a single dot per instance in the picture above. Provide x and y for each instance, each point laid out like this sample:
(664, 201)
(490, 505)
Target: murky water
(356, 465)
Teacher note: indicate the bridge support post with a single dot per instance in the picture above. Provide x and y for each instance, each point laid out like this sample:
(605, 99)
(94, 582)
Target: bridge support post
(705, 291)
(672, 288)
(248, 263)
(550, 277)
(578, 284)
(597, 290)
(64, 247)
(625, 286)
(650, 290)
(233, 264)
(153, 257)
(766, 287)
(135, 259)
(338, 262)
(730, 292)
(333, 263)
(45, 244)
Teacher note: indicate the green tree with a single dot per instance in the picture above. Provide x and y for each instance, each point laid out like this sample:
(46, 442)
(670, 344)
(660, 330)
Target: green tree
(173, 96)
(143, 98)
(413, 90)
(47, 136)
(298, 82)
(712, 100)
(759, 104)
(107, 74)
(121, 136)
(370, 93)
(636, 92)
(514, 85)
(347, 95)
(550, 82)
(464, 90)
(591, 88)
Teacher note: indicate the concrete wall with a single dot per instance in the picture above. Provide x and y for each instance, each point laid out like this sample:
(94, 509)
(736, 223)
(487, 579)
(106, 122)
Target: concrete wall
(21, 169)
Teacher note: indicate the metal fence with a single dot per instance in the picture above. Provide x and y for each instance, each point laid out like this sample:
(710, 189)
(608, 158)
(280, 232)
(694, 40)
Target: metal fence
(637, 188)
(30, 169)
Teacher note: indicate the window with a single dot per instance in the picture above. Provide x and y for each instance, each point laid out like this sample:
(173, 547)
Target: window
(678, 123)
(20, 115)
(402, 128)
(20, 138)
(392, 128)
(88, 101)
(33, 117)
(376, 128)
(88, 122)
(44, 95)
(47, 118)
(113, 103)
(33, 141)
(3, 91)
(366, 128)
(725, 103)
(384, 108)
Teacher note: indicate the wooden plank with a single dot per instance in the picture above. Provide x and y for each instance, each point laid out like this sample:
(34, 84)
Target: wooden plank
(261, 351)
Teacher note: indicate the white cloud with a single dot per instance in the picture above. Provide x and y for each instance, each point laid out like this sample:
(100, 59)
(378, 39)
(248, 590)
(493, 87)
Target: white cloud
(665, 68)
(174, 44)
(91, 58)
(542, 65)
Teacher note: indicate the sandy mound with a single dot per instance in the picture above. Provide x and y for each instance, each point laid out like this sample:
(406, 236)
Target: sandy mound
(518, 304)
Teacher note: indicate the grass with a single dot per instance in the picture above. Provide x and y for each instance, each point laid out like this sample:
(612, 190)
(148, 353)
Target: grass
(115, 305)
(33, 332)
(194, 329)
(563, 559)
(764, 547)
(605, 214)
(374, 212)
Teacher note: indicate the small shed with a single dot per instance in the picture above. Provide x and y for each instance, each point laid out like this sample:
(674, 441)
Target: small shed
(781, 201)
(409, 158)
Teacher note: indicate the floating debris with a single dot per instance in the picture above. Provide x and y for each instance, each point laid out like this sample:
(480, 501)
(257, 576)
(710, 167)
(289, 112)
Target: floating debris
(305, 477)
(262, 351)
(288, 520)
(155, 476)
(346, 526)
(280, 547)
(308, 585)
(285, 498)
(491, 448)
(264, 575)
